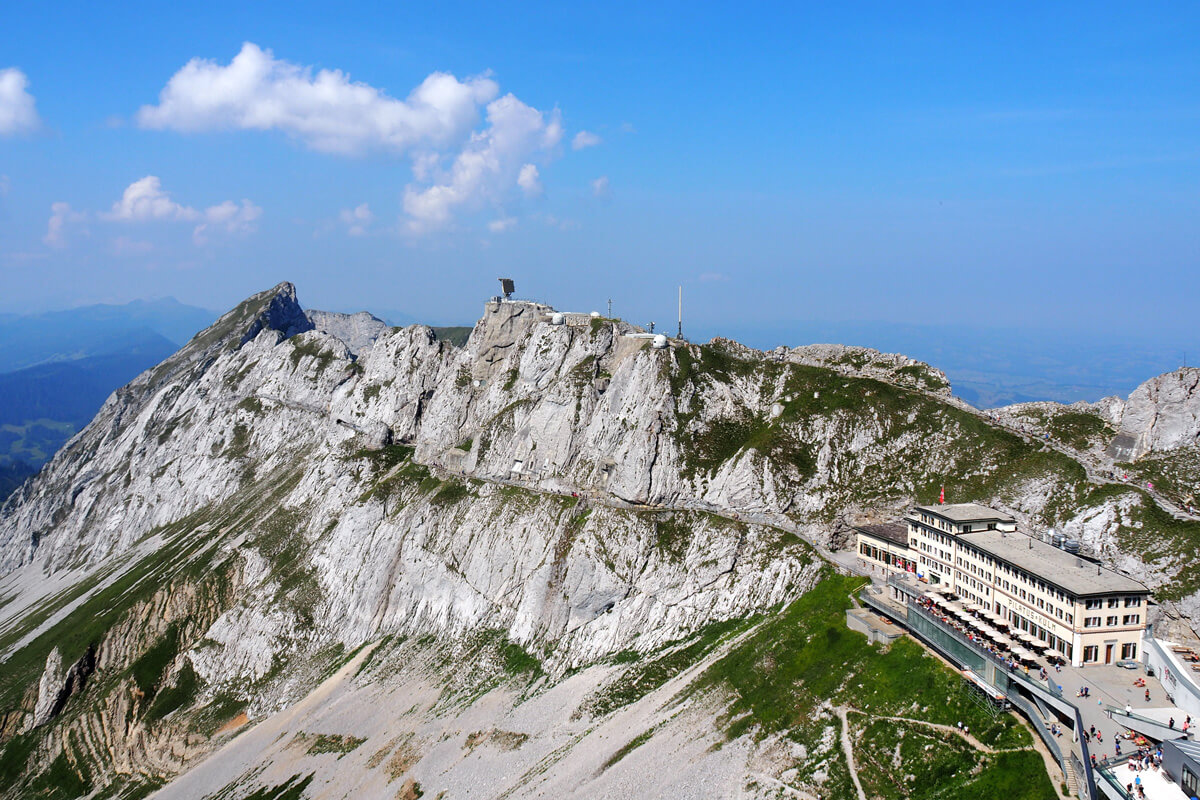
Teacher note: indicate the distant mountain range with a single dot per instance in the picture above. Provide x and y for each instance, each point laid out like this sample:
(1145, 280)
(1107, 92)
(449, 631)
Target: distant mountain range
(57, 369)
(26, 341)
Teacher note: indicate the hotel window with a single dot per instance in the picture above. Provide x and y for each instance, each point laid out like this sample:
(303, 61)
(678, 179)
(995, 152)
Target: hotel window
(1133, 619)
(1070, 619)
(1111, 622)
(1095, 604)
(1133, 602)
(1091, 622)
(1128, 651)
(1091, 653)
(1113, 602)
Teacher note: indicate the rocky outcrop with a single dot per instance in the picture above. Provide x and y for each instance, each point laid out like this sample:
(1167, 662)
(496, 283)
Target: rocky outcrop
(290, 485)
(1161, 414)
(870, 363)
(357, 331)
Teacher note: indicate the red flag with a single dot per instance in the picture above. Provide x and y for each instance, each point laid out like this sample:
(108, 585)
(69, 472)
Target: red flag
(942, 497)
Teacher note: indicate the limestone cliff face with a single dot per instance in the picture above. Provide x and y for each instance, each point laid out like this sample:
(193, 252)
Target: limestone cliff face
(1161, 414)
(292, 485)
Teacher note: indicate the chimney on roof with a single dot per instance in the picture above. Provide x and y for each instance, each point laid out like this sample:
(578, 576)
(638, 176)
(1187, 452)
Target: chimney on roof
(1079, 563)
(1097, 569)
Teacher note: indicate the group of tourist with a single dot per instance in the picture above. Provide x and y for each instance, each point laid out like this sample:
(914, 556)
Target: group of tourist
(1145, 759)
(982, 642)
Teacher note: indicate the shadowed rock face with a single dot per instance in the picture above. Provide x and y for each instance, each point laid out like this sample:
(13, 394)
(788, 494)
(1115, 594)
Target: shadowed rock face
(1161, 414)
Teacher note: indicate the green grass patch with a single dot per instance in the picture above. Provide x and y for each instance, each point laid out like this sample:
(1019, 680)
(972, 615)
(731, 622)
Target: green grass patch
(61, 781)
(292, 790)
(1175, 473)
(178, 695)
(627, 748)
(252, 405)
(450, 492)
(518, 661)
(649, 673)
(900, 760)
(239, 442)
(148, 668)
(333, 743)
(923, 376)
(805, 655)
(1079, 430)
(308, 348)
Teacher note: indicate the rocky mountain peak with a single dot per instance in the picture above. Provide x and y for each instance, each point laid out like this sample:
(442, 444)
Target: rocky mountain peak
(1161, 414)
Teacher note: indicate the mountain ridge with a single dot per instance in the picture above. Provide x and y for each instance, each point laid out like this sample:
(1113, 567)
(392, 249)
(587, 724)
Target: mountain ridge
(241, 519)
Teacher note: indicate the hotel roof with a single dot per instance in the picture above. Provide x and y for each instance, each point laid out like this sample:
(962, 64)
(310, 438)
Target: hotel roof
(1052, 565)
(896, 532)
(966, 512)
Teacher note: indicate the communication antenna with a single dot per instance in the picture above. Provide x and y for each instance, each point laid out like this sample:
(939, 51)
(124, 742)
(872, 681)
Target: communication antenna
(507, 287)
(679, 333)
(610, 308)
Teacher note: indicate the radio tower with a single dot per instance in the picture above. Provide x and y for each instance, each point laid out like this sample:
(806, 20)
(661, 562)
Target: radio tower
(679, 333)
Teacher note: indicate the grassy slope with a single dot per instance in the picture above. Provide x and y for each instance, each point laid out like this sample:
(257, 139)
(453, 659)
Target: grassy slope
(982, 462)
(783, 678)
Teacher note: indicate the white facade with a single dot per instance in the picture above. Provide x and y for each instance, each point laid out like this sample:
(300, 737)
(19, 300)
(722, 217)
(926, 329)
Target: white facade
(1088, 614)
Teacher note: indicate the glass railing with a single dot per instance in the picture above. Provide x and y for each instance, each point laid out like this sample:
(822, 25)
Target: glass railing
(1104, 770)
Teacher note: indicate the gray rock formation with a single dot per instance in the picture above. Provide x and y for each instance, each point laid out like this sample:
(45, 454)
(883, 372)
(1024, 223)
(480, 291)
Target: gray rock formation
(357, 331)
(292, 485)
(1161, 414)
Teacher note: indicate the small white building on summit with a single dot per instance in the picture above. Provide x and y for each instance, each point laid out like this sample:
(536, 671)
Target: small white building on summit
(1067, 603)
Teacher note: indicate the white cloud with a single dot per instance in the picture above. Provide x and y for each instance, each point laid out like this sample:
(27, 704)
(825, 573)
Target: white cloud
(710, 277)
(325, 109)
(585, 139)
(456, 165)
(530, 180)
(18, 113)
(145, 201)
(357, 220)
(489, 166)
(229, 217)
(627, 127)
(502, 225)
(61, 215)
(600, 186)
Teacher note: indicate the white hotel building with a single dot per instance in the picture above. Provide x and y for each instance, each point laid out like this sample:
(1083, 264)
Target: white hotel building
(1089, 614)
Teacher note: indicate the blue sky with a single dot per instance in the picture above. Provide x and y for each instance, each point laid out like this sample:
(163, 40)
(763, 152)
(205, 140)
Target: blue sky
(1024, 166)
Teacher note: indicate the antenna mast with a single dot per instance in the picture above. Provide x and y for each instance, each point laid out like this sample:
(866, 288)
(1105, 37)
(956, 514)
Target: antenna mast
(680, 331)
